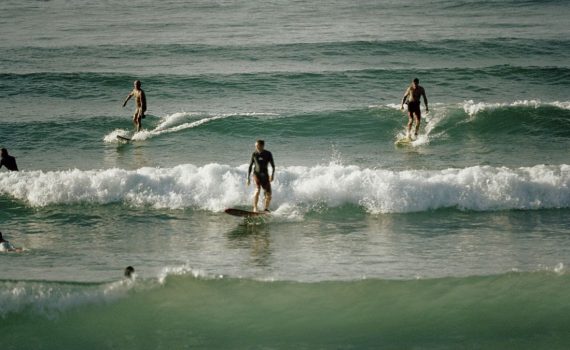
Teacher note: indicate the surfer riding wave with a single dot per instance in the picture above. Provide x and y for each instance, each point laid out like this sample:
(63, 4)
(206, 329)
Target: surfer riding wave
(413, 96)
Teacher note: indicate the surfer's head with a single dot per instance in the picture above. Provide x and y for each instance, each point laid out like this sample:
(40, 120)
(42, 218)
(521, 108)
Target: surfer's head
(260, 145)
(416, 82)
(137, 84)
(4, 152)
(129, 271)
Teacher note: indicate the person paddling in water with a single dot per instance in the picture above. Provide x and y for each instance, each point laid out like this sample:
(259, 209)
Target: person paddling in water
(6, 246)
(140, 101)
(413, 97)
(261, 158)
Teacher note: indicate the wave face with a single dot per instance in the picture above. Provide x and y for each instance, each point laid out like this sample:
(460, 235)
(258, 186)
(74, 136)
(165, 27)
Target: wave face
(214, 187)
(453, 135)
(520, 309)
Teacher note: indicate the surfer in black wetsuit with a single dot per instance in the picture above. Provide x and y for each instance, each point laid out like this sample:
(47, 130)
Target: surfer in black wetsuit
(261, 158)
(413, 96)
(8, 161)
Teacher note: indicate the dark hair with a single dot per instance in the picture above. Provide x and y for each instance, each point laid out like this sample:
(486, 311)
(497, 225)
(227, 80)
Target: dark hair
(416, 80)
(4, 152)
(129, 270)
(261, 142)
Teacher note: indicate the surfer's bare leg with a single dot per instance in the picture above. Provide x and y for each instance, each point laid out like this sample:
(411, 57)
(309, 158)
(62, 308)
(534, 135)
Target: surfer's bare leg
(267, 200)
(256, 197)
(410, 123)
(137, 120)
(418, 121)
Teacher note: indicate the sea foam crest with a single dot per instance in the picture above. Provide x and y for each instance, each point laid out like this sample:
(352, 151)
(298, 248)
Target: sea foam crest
(472, 108)
(174, 123)
(214, 187)
(51, 298)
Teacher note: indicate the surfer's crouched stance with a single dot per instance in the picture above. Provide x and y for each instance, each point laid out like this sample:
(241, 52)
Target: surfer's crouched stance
(261, 158)
(413, 96)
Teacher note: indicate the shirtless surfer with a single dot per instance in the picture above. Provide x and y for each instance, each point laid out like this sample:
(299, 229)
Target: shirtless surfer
(140, 101)
(261, 158)
(413, 97)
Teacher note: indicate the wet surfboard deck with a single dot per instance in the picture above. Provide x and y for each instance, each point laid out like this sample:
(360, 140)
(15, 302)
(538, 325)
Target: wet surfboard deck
(404, 141)
(245, 213)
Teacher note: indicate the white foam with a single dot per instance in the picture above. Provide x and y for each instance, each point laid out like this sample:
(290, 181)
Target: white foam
(112, 136)
(429, 122)
(562, 105)
(394, 106)
(472, 108)
(173, 123)
(559, 269)
(184, 270)
(214, 187)
(51, 298)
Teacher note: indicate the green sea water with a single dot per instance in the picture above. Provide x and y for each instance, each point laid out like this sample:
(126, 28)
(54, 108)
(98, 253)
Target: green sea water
(189, 312)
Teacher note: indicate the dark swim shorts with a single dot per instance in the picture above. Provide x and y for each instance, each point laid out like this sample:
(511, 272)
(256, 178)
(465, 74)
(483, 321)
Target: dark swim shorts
(262, 180)
(414, 107)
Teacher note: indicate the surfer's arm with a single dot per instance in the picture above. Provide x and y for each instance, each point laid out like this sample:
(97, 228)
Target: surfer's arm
(143, 101)
(249, 170)
(425, 100)
(272, 168)
(405, 98)
(127, 99)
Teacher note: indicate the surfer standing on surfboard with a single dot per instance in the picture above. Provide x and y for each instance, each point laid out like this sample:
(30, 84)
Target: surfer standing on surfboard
(261, 158)
(413, 96)
(140, 101)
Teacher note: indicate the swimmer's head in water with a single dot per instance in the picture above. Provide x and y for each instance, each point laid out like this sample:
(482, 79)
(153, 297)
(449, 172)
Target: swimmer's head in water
(129, 271)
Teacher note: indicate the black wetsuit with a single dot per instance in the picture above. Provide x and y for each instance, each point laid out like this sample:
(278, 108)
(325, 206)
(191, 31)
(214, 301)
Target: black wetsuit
(260, 172)
(414, 107)
(9, 162)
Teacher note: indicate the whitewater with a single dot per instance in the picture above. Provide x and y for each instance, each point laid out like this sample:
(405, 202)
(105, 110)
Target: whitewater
(215, 187)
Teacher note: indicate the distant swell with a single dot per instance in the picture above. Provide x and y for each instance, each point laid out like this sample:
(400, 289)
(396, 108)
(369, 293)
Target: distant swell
(214, 187)
(364, 313)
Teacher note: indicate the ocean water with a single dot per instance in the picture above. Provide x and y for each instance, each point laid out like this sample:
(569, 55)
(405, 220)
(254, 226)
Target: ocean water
(459, 240)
